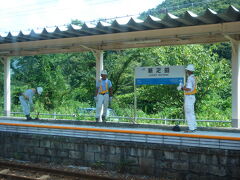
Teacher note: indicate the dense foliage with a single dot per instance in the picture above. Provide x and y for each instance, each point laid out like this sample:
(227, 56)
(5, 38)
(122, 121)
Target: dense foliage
(196, 6)
(69, 79)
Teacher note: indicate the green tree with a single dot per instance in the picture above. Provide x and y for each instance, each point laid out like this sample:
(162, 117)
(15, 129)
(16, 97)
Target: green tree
(71, 76)
(33, 71)
(213, 78)
(79, 72)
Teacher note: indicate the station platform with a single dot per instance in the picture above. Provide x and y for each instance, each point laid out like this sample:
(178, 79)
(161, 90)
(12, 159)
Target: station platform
(220, 138)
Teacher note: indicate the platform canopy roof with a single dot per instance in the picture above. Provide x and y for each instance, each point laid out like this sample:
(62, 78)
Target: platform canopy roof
(188, 28)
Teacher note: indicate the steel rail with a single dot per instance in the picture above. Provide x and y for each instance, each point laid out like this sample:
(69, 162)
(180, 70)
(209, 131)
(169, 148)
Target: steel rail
(15, 177)
(54, 171)
(126, 131)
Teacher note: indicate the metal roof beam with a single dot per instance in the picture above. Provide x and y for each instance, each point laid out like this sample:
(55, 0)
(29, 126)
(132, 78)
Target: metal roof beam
(187, 34)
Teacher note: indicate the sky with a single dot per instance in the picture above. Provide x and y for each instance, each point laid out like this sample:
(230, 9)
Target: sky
(19, 15)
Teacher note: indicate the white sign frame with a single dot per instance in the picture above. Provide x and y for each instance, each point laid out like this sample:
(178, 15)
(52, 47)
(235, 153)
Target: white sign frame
(157, 75)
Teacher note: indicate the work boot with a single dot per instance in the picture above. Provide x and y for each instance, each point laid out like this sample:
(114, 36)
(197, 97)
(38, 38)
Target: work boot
(103, 119)
(28, 117)
(97, 119)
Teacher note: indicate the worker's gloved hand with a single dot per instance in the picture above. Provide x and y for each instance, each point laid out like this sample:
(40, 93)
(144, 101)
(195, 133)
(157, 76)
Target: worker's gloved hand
(110, 99)
(95, 98)
(180, 86)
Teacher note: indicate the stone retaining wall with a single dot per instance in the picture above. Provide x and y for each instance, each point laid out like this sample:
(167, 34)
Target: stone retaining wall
(166, 161)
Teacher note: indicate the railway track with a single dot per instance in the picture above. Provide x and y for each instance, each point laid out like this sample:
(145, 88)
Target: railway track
(15, 171)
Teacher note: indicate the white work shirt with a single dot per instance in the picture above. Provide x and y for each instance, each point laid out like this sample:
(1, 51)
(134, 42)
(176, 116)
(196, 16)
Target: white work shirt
(103, 83)
(29, 93)
(190, 82)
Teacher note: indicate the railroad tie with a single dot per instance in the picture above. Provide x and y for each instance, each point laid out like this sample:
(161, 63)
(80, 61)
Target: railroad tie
(45, 177)
(4, 171)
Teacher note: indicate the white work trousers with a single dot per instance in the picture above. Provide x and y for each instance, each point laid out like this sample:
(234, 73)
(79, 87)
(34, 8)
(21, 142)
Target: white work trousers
(102, 103)
(189, 101)
(25, 105)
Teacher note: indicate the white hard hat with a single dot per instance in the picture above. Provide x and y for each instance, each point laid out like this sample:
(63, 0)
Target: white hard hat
(104, 72)
(39, 90)
(190, 67)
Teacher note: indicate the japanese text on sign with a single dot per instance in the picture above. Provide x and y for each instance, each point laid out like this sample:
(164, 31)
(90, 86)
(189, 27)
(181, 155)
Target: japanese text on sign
(159, 75)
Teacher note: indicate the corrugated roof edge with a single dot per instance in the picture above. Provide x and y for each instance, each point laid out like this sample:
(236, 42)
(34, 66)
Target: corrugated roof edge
(169, 21)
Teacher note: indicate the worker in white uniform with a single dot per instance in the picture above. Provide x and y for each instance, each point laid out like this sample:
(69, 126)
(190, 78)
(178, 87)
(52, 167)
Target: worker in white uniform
(103, 96)
(190, 89)
(26, 100)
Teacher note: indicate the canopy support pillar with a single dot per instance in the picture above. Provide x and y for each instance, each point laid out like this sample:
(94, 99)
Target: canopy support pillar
(99, 63)
(235, 83)
(7, 86)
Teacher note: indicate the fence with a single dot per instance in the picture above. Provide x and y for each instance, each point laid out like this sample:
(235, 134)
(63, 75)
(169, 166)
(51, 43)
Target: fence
(121, 118)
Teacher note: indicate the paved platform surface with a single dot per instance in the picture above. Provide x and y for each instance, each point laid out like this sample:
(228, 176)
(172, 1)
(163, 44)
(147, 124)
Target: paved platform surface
(223, 138)
(108, 126)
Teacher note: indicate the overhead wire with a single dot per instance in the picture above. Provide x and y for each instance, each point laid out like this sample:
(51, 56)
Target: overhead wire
(42, 8)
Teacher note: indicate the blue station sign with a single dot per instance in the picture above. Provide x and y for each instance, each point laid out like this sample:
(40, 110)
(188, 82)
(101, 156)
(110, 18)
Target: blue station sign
(159, 75)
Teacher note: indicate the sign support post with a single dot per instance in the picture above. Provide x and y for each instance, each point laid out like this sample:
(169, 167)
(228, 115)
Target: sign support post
(135, 101)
